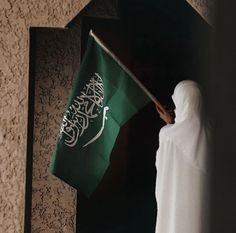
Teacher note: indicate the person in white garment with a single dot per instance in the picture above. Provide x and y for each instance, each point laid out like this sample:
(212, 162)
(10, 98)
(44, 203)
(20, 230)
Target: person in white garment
(182, 182)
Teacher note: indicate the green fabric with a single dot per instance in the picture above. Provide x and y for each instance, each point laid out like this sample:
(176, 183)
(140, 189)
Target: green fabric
(80, 157)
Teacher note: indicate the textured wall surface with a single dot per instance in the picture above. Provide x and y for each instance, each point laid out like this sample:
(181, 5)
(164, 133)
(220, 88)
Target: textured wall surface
(204, 8)
(56, 60)
(16, 16)
(53, 202)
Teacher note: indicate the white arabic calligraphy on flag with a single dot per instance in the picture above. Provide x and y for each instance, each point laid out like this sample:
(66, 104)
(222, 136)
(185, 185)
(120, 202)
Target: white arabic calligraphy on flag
(83, 110)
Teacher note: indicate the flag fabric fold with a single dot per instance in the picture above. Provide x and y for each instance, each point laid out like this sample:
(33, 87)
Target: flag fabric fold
(103, 98)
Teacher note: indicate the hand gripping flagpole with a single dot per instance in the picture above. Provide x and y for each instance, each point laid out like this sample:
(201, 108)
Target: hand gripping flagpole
(164, 114)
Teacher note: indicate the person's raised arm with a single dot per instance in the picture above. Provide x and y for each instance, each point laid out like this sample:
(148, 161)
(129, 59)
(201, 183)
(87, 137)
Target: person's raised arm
(165, 115)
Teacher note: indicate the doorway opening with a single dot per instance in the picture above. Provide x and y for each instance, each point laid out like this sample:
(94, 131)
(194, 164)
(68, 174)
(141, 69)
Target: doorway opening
(161, 48)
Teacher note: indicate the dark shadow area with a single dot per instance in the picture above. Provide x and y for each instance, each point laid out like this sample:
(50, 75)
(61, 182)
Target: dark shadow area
(222, 95)
(30, 127)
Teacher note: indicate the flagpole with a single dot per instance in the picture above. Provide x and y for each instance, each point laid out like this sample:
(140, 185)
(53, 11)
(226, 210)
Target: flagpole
(159, 106)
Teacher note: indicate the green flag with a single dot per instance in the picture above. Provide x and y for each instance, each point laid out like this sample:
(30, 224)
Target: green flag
(103, 98)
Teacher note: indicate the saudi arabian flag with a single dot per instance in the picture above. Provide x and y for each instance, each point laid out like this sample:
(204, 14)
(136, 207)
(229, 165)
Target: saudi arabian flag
(104, 97)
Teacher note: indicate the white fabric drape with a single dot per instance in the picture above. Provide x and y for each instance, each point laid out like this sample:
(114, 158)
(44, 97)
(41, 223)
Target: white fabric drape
(182, 184)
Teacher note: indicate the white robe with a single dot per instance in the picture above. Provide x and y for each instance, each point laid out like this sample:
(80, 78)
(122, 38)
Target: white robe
(182, 184)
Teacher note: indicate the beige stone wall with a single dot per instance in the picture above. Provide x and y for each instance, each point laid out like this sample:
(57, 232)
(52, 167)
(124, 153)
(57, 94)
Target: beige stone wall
(56, 58)
(205, 8)
(16, 17)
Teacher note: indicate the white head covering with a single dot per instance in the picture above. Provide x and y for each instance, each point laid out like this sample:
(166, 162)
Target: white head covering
(189, 131)
(187, 99)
